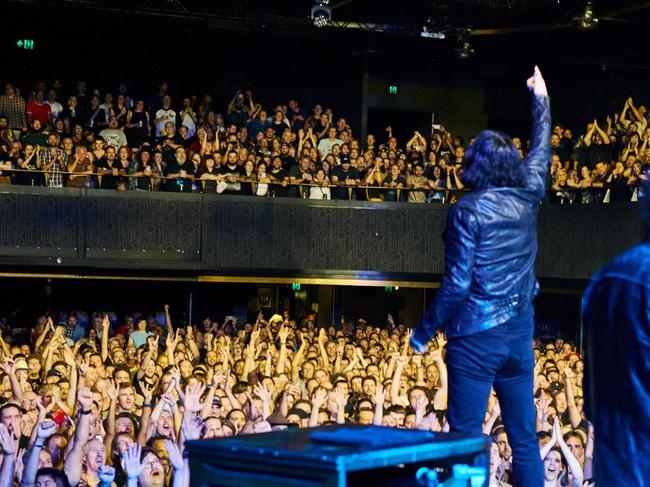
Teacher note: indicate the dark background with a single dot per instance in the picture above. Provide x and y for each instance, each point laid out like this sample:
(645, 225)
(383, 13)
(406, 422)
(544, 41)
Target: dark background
(218, 47)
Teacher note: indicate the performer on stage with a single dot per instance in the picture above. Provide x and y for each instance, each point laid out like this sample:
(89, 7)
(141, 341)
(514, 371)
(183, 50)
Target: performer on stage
(616, 312)
(486, 296)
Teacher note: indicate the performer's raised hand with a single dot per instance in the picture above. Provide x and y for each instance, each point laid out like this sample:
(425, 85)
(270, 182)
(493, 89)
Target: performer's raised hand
(536, 83)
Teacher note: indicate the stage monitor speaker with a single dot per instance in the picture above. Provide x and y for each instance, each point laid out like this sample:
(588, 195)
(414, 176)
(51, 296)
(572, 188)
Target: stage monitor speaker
(339, 456)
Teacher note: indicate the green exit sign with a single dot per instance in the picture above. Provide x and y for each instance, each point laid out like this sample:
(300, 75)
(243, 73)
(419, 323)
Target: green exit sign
(392, 89)
(295, 286)
(25, 44)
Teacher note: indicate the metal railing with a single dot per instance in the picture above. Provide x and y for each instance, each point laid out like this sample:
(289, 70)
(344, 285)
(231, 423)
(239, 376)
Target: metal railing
(270, 187)
(128, 181)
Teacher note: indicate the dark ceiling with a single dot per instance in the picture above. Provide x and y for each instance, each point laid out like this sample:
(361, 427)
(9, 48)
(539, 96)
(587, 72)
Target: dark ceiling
(272, 47)
(498, 27)
(401, 14)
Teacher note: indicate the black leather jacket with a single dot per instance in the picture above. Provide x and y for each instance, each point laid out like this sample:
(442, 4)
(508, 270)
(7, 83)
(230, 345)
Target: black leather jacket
(490, 248)
(616, 311)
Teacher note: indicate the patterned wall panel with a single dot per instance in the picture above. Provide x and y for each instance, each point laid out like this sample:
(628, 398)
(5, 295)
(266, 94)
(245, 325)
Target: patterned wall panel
(301, 235)
(36, 222)
(252, 235)
(575, 241)
(141, 225)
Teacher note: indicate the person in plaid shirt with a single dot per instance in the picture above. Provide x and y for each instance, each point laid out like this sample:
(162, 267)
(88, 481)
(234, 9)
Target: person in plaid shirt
(53, 159)
(12, 105)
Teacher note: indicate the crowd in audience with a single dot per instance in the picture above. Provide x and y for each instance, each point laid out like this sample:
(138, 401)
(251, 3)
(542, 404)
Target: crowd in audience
(112, 402)
(120, 141)
(605, 164)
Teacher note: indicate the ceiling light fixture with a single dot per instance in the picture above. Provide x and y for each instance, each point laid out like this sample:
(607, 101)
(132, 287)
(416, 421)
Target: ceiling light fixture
(587, 20)
(321, 14)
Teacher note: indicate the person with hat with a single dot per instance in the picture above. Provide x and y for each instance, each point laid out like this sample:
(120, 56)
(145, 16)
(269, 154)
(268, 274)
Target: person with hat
(344, 177)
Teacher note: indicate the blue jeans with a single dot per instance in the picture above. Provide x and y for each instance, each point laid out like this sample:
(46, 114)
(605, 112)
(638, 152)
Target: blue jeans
(501, 356)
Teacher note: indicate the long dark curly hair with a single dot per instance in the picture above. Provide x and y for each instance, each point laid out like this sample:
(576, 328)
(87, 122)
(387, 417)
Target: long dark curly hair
(492, 161)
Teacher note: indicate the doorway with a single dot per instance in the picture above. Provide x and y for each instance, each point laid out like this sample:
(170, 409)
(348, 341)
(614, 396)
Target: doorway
(403, 123)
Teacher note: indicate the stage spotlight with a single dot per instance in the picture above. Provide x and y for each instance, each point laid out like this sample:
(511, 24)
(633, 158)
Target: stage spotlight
(321, 14)
(430, 34)
(587, 20)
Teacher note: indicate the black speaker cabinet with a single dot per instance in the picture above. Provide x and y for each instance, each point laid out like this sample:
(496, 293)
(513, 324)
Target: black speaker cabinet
(331, 456)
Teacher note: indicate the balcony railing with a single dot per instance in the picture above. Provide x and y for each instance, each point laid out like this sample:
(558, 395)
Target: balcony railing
(268, 187)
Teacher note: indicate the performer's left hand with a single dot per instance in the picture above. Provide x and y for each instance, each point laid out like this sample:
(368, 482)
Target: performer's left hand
(536, 83)
(418, 343)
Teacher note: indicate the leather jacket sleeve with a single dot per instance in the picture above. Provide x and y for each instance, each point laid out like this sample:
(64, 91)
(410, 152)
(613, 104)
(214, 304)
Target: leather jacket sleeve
(460, 246)
(539, 157)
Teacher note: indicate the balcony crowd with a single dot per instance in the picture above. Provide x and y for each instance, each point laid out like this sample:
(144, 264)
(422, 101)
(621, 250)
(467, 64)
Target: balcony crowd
(119, 141)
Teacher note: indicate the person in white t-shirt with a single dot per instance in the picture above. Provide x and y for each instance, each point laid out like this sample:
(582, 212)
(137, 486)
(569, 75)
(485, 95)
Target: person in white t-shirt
(325, 145)
(55, 106)
(113, 136)
(164, 115)
(188, 117)
(322, 191)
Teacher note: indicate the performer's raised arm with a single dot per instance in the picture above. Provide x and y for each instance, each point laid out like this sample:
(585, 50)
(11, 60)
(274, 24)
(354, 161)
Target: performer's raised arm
(539, 157)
